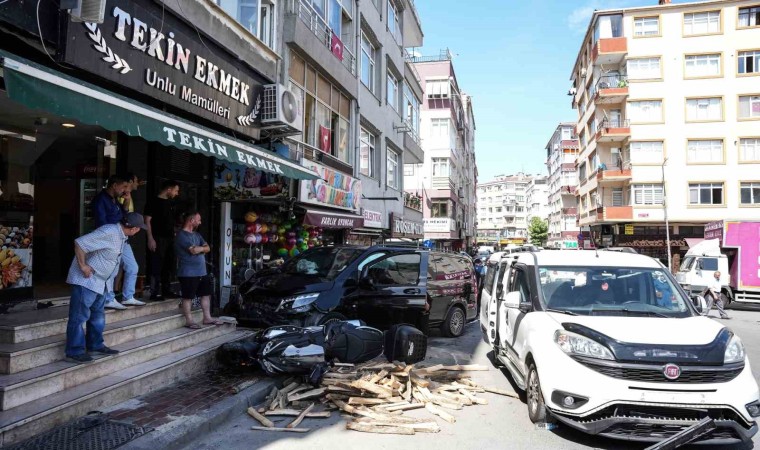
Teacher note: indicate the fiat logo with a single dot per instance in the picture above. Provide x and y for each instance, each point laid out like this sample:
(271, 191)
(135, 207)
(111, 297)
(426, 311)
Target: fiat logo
(671, 371)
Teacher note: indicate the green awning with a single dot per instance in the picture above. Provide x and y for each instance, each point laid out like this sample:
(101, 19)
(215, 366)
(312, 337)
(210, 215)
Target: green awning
(39, 87)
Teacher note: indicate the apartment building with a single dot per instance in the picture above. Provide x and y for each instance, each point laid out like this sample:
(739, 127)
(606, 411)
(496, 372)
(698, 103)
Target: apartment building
(537, 198)
(668, 110)
(503, 210)
(445, 182)
(561, 152)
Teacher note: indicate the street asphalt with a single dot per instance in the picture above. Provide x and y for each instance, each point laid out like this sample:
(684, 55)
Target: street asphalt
(503, 423)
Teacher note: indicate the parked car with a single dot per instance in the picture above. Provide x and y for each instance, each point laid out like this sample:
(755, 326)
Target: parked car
(381, 285)
(608, 343)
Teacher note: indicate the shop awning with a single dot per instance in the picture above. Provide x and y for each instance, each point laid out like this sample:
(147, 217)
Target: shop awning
(332, 219)
(691, 242)
(39, 87)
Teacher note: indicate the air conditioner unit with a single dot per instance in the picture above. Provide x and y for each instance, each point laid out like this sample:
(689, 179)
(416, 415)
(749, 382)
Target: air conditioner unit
(583, 72)
(93, 11)
(282, 110)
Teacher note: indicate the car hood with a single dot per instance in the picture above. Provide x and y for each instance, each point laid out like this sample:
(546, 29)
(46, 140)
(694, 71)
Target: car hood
(649, 330)
(283, 285)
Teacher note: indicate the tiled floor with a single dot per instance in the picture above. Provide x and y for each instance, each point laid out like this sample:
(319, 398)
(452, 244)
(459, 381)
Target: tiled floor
(184, 398)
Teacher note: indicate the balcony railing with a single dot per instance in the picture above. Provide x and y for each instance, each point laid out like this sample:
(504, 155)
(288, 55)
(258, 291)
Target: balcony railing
(308, 15)
(614, 123)
(413, 201)
(612, 82)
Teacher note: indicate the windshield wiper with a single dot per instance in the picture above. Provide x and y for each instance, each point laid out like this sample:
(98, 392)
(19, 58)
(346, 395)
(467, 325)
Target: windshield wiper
(561, 311)
(648, 313)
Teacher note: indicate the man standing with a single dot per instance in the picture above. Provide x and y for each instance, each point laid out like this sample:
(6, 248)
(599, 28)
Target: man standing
(108, 209)
(160, 217)
(96, 259)
(714, 297)
(191, 270)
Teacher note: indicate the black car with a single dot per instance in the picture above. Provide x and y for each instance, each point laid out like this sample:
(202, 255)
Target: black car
(380, 285)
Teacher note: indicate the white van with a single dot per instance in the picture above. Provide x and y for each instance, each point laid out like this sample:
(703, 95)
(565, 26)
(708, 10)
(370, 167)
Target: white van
(608, 343)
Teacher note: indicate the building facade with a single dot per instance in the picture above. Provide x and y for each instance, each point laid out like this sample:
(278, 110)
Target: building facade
(445, 182)
(537, 198)
(667, 121)
(503, 210)
(561, 152)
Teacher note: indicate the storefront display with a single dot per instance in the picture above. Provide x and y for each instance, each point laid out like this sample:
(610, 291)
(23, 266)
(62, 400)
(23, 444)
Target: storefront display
(333, 189)
(237, 182)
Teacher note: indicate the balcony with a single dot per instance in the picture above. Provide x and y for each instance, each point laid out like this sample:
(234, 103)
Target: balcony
(611, 89)
(569, 211)
(613, 130)
(614, 213)
(442, 183)
(609, 51)
(615, 175)
(299, 150)
(568, 189)
(413, 201)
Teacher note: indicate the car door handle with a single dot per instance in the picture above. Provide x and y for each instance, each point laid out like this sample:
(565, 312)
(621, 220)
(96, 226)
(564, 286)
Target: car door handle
(412, 291)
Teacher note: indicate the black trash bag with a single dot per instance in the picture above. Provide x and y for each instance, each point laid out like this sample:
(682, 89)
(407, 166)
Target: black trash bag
(352, 344)
(404, 343)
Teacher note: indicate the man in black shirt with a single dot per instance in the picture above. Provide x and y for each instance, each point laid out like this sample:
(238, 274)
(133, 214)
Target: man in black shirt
(160, 218)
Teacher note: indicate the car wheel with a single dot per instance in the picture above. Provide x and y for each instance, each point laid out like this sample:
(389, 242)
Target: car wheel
(453, 325)
(318, 319)
(535, 400)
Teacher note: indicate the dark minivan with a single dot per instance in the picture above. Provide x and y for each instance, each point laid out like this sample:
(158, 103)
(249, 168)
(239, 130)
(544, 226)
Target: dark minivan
(381, 285)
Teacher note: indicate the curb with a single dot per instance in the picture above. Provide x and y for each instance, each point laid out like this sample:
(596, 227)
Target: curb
(180, 435)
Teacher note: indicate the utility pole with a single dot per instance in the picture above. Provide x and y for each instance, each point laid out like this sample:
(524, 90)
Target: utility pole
(665, 212)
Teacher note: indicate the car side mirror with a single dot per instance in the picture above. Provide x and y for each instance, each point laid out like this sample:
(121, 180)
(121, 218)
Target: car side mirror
(512, 299)
(366, 283)
(525, 307)
(699, 264)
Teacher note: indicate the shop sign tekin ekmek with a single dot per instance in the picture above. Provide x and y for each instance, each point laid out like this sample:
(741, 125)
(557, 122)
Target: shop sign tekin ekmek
(147, 49)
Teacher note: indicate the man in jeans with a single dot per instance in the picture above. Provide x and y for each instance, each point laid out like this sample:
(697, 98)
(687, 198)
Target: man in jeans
(160, 217)
(713, 297)
(96, 260)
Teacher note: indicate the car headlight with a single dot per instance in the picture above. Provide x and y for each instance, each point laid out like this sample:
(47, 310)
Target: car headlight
(734, 351)
(577, 345)
(298, 303)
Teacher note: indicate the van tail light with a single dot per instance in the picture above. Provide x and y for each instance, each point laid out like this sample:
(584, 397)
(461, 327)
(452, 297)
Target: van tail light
(427, 304)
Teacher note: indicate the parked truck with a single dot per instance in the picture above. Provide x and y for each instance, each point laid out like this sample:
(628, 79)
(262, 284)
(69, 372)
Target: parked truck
(731, 247)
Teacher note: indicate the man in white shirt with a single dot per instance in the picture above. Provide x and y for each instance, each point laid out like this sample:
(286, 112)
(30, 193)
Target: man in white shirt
(713, 297)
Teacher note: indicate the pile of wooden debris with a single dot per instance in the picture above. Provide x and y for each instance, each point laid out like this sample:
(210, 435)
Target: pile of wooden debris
(374, 397)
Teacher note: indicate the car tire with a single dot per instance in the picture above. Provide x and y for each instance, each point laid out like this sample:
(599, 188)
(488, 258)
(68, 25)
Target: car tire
(534, 397)
(318, 319)
(453, 324)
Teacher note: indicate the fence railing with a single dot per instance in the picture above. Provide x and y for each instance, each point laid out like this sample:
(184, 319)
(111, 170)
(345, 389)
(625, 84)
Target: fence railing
(614, 123)
(612, 82)
(309, 16)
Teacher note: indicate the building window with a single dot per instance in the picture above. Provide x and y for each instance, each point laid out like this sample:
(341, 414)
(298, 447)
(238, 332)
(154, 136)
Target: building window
(368, 63)
(392, 171)
(644, 111)
(706, 194)
(749, 61)
(257, 16)
(749, 106)
(702, 66)
(440, 167)
(644, 69)
(647, 194)
(412, 110)
(392, 94)
(701, 23)
(439, 209)
(408, 170)
(749, 17)
(609, 26)
(439, 128)
(646, 26)
(749, 150)
(437, 88)
(367, 154)
(647, 152)
(704, 151)
(704, 109)
(750, 193)
(394, 21)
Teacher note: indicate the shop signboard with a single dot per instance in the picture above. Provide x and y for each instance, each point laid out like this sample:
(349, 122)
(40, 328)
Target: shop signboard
(439, 225)
(238, 182)
(406, 228)
(629, 229)
(143, 47)
(334, 189)
(714, 230)
(324, 219)
(372, 219)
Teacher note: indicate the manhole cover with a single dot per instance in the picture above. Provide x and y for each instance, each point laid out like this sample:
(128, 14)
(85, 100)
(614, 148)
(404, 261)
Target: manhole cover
(92, 432)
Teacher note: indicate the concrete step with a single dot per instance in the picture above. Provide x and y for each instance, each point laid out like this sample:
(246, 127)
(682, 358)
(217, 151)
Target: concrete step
(15, 358)
(31, 325)
(39, 416)
(30, 385)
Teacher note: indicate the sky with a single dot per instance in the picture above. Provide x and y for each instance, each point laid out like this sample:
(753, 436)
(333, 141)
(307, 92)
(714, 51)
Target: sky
(514, 57)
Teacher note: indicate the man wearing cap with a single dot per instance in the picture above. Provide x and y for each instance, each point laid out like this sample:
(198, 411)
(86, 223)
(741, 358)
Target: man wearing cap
(97, 256)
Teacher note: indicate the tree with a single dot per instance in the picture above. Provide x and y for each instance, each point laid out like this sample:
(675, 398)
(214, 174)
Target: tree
(538, 230)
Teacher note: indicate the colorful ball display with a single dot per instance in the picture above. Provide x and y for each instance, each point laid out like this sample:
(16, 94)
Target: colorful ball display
(294, 252)
(250, 228)
(251, 217)
(282, 252)
(250, 238)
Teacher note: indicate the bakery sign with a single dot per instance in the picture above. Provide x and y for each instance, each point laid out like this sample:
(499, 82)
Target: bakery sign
(406, 228)
(143, 47)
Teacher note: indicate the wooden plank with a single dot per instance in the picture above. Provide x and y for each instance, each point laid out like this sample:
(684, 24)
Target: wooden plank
(431, 369)
(473, 399)
(418, 380)
(378, 376)
(275, 400)
(467, 367)
(263, 420)
(405, 407)
(425, 427)
(300, 417)
(367, 428)
(341, 376)
(469, 382)
(379, 391)
(295, 413)
(407, 394)
(500, 392)
(457, 398)
(440, 413)
(290, 387)
(308, 394)
(367, 401)
(291, 430)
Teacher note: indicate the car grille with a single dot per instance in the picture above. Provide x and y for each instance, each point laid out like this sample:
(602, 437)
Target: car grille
(654, 374)
(649, 430)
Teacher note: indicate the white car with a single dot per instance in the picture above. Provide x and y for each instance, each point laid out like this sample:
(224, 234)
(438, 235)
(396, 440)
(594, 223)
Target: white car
(608, 343)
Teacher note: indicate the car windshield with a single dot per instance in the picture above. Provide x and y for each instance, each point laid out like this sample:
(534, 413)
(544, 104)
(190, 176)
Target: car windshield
(323, 262)
(687, 263)
(612, 291)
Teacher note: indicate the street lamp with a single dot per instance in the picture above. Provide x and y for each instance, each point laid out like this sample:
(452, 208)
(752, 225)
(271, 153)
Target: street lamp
(665, 213)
